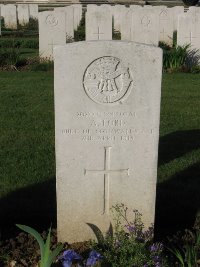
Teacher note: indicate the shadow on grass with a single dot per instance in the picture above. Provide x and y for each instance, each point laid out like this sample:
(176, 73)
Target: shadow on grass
(178, 198)
(34, 206)
(178, 202)
(176, 144)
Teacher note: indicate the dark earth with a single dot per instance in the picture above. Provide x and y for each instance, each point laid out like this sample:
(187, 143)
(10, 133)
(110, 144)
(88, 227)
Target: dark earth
(23, 250)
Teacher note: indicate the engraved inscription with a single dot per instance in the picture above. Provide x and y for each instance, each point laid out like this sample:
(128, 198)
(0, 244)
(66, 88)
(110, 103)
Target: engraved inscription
(107, 172)
(51, 20)
(106, 80)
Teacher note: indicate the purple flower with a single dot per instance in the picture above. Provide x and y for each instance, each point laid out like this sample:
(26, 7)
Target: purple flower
(68, 257)
(158, 247)
(94, 256)
(130, 228)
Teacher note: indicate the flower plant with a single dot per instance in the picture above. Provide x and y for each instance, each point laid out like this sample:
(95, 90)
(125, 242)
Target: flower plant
(129, 244)
(186, 247)
(70, 257)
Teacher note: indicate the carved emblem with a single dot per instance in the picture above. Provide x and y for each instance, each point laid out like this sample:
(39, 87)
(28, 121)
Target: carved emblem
(145, 21)
(107, 80)
(51, 20)
(163, 15)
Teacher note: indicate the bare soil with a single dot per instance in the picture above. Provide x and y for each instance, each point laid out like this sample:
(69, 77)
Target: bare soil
(23, 250)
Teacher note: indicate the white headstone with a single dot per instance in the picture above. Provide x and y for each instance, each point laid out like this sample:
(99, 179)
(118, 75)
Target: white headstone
(23, 14)
(177, 10)
(91, 7)
(126, 25)
(145, 26)
(166, 25)
(99, 24)
(1, 17)
(51, 32)
(126, 22)
(189, 31)
(1, 10)
(194, 10)
(77, 15)
(107, 106)
(135, 7)
(10, 16)
(69, 20)
(33, 11)
(118, 13)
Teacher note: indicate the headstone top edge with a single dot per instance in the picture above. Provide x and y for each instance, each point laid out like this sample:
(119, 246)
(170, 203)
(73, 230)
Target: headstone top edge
(108, 42)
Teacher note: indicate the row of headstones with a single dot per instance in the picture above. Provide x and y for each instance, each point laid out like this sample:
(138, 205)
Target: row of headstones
(18, 14)
(55, 27)
(147, 25)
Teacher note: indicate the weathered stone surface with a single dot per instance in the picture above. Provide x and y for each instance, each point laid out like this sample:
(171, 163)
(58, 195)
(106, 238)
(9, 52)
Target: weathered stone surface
(177, 10)
(69, 20)
(118, 13)
(23, 14)
(107, 105)
(77, 15)
(145, 26)
(10, 16)
(126, 24)
(51, 32)
(189, 33)
(33, 11)
(99, 24)
(166, 25)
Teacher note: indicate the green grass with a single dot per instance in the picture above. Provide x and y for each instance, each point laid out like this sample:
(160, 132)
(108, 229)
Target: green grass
(27, 129)
(27, 167)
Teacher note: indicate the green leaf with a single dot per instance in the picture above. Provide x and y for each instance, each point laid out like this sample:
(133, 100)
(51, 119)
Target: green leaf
(47, 250)
(178, 255)
(36, 235)
(54, 254)
(97, 232)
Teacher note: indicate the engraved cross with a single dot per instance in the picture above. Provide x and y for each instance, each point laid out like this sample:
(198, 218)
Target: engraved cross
(99, 33)
(107, 173)
(163, 34)
(52, 46)
(190, 37)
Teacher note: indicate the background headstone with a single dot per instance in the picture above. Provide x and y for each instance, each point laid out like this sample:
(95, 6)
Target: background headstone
(69, 20)
(51, 32)
(99, 24)
(107, 106)
(33, 11)
(23, 14)
(166, 26)
(189, 34)
(145, 26)
(10, 16)
(77, 8)
(118, 13)
(177, 10)
(126, 25)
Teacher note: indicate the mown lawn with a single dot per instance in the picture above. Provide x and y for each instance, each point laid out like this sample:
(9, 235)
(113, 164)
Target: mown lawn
(27, 161)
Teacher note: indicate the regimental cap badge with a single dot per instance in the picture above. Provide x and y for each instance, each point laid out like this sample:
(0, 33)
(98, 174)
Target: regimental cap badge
(106, 80)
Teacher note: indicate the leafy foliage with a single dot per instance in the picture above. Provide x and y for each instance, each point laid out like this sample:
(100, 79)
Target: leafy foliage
(47, 256)
(19, 43)
(186, 247)
(79, 34)
(9, 57)
(175, 58)
(129, 244)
